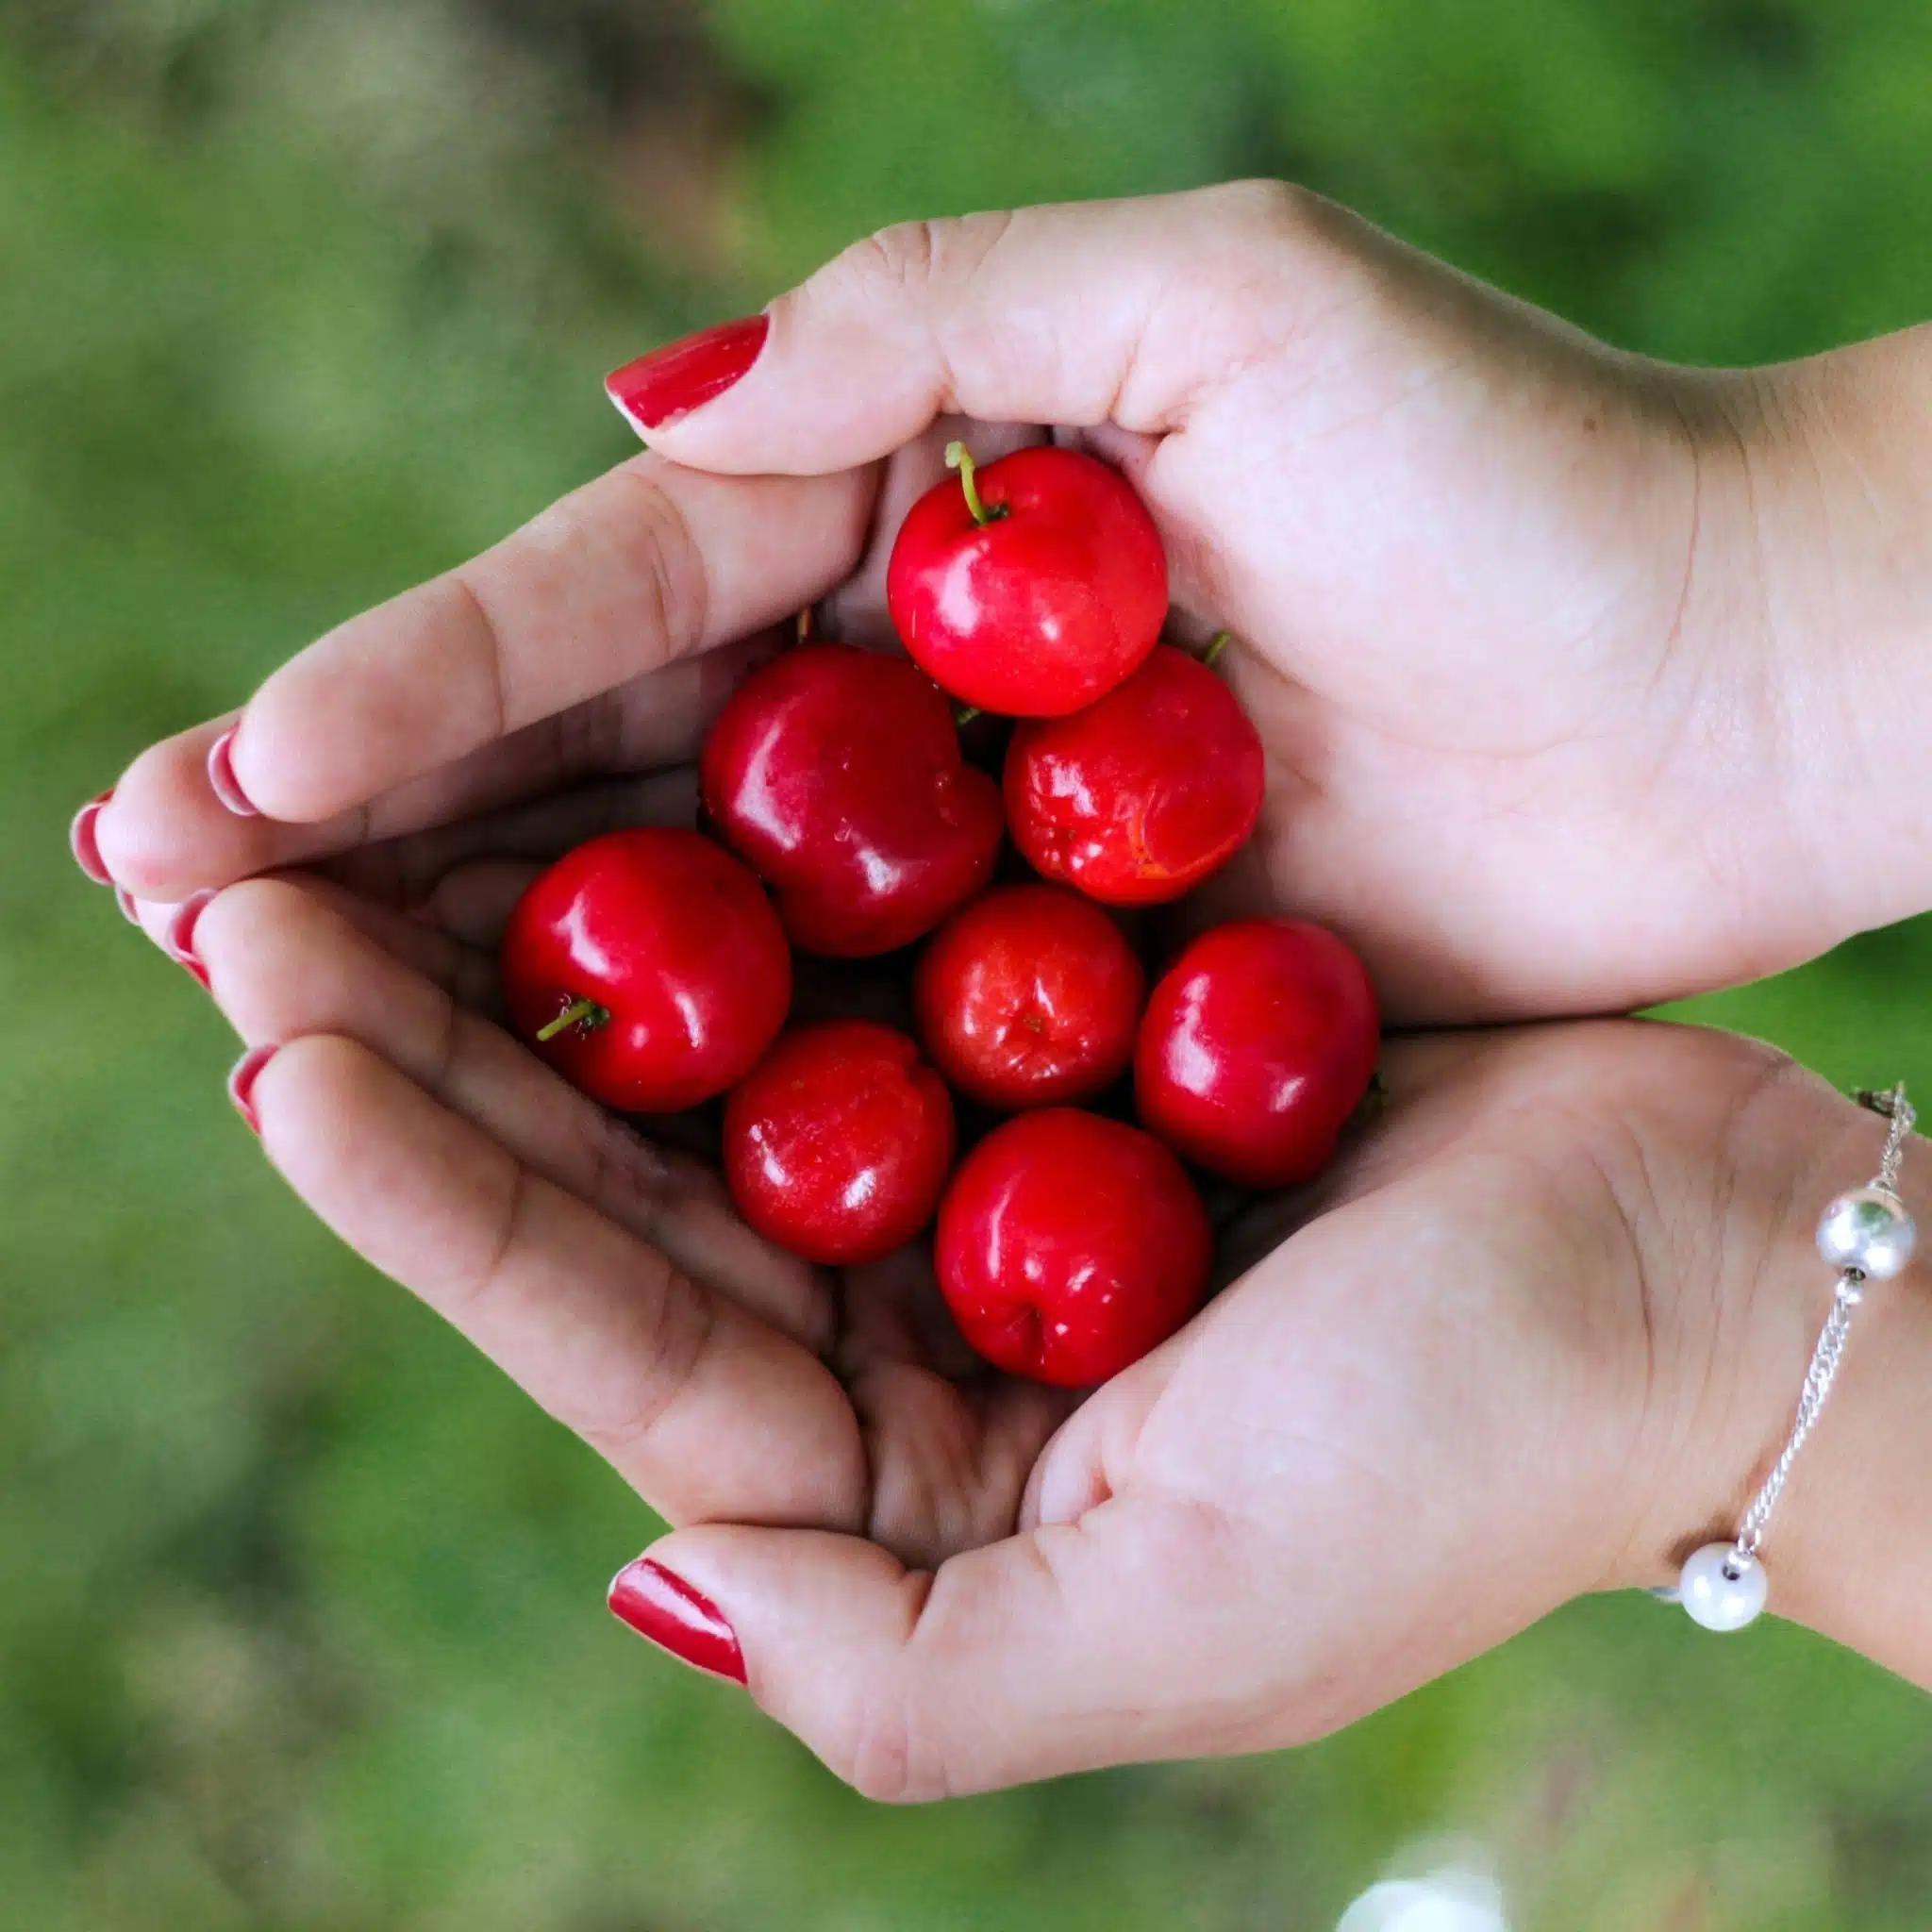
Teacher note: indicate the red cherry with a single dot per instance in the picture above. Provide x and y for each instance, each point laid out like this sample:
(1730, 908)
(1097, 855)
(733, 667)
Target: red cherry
(1030, 587)
(836, 775)
(1028, 997)
(1068, 1245)
(1255, 1048)
(1141, 797)
(838, 1144)
(654, 963)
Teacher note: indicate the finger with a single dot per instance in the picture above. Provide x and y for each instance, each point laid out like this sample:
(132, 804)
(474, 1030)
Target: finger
(644, 566)
(1129, 311)
(284, 964)
(474, 902)
(1076, 1645)
(166, 833)
(951, 1442)
(403, 871)
(460, 970)
(647, 565)
(706, 1411)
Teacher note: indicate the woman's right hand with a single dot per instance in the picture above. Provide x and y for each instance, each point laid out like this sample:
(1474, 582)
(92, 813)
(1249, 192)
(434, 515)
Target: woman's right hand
(1576, 673)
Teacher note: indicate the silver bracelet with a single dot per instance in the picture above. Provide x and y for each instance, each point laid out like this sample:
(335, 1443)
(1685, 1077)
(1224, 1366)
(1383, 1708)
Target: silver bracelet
(1867, 1236)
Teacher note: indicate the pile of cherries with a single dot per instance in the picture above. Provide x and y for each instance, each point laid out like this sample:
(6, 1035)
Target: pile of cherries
(655, 969)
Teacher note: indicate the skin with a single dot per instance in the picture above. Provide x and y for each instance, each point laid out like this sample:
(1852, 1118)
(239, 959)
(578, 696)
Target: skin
(1579, 678)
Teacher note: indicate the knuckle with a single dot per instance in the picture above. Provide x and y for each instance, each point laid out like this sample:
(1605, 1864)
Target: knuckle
(244, 919)
(887, 1760)
(1280, 209)
(330, 1068)
(587, 738)
(452, 1029)
(904, 255)
(625, 1176)
(679, 1325)
(499, 1252)
(669, 568)
(918, 255)
(488, 655)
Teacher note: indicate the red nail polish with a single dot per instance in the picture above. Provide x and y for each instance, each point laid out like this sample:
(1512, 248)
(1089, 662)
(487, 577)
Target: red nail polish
(221, 775)
(179, 938)
(672, 1615)
(673, 381)
(129, 910)
(87, 848)
(241, 1079)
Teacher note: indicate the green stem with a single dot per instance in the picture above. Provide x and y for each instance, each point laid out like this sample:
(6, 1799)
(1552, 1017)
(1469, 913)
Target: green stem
(585, 1013)
(965, 715)
(959, 457)
(1216, 644)
(1372, 1104)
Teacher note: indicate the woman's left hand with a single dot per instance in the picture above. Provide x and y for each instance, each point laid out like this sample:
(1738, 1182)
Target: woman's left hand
(1532, 1337)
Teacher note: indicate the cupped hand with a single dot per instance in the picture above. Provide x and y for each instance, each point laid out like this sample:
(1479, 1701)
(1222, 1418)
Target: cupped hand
(1532, 747)
(1532, 1337)
(1523, 750)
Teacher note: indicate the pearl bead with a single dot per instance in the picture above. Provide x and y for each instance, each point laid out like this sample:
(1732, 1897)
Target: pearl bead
(1722, 1590)
(1869, 1230)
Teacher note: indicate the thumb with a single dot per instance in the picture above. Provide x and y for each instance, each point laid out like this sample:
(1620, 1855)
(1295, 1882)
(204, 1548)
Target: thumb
(1076, 1645)
(1127, 311)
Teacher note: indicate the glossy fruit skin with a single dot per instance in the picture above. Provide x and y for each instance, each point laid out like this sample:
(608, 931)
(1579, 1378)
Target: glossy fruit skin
(677, 939)
(838, 1144)
(1255, 1048)
(1046, 607)
(836, 775)
(1143, 794)
(1030, 998)
(1068, 1245)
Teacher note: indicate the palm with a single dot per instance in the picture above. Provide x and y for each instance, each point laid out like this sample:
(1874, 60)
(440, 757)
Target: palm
(889, 1425)
(1458, 561)
(1422, 1413)
(908, 1438)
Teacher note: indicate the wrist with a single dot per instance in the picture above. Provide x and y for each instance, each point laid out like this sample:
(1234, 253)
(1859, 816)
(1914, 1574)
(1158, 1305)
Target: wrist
(1842, 1552)
(1841, 618)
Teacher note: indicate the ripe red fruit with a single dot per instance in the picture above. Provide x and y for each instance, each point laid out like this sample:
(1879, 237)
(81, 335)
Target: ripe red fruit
(653, 962)
(1030, 587)
(1028, 997)
(1255, 1048)
(838, 1144)
(1141, 797)
(1068, 1245)
(836, 775)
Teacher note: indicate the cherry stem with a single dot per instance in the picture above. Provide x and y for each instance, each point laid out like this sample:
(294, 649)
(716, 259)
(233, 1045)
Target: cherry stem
(965, 715)
(959, 457)
(585, 1013)
(1216, 644)
(1374, 1103)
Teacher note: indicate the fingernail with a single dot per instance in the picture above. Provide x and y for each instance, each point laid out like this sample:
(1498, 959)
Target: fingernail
(178, 942)
(241, 1079)
(673, 381)
(672, 1615)
(221, 774)
(87, 848)
(129, 910)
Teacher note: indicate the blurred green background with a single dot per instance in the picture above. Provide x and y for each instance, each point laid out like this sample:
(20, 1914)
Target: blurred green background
(300, 1604)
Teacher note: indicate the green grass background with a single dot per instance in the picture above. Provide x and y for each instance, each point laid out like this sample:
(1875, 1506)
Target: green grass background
(300, 1618)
